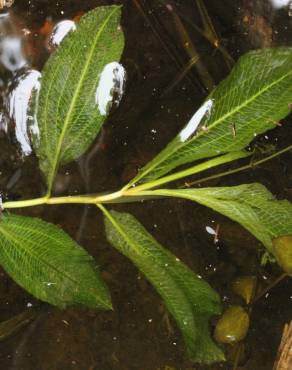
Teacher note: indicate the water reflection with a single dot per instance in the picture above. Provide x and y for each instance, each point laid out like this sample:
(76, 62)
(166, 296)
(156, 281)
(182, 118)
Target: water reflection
(11, 55)
(280, 3)
(17, 83)
(111, 87)
(19, 107)
(21, 84)
(60, 31)
(3, 122)
(194, 123)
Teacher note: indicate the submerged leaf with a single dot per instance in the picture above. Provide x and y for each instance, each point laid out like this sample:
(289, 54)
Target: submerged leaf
(49, 264)
(254, 97)
(232, 326)
(251, 205)
(68, 114)
(245, 287)
(190, 300)
(282, 248)
(16, 323)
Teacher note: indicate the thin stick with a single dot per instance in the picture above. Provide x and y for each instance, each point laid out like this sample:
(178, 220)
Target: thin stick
(237, 356)
(208, 36)
(168, 47)
(211, 34)
(269, 287)
(153, 29)
(185, 70)
(242, 168)
(191, 50)
(284, 356)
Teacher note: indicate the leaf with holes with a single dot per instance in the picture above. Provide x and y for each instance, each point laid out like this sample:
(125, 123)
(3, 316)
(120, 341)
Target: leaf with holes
(189, 299)
(251, 100)
(49, 264)
(69, 117)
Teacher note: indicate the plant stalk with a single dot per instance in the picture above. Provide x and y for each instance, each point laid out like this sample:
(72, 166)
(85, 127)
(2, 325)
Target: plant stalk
(126, 193)
(76, 199)
(243, 168)
(214, 162)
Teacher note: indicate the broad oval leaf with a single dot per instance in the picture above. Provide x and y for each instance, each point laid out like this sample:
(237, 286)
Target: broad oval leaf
(233, 326)
(282, 248)
(189, 299)
(68, 114)
(251, 205)
(46, 262)
(254, 97)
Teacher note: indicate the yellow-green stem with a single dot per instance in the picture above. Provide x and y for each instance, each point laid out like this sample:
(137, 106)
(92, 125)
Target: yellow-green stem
(76, 199)
(46, 200)
(214, 162)
(140, 191)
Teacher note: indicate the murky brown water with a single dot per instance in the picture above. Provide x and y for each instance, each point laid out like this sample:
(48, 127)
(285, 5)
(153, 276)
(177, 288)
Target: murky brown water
(138, 334)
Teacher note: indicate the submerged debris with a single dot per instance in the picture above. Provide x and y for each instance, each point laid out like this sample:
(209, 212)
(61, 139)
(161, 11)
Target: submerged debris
(6, 3)
(13, 325)
(244, 286)
(284, 357)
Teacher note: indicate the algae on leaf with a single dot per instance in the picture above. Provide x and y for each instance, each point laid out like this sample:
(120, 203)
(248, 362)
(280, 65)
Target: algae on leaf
(68, 114)
(45, 261)
(190, 300)
(251, 100)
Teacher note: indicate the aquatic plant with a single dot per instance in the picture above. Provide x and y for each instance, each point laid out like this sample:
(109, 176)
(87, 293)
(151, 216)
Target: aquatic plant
(46, 262)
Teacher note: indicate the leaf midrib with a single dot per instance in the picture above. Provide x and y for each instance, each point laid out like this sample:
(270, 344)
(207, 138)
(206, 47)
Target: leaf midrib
(214, 124)
(130, 242)
(172, 276)
(10, 236)
(47, 97)
(72, 104)
(178, 274)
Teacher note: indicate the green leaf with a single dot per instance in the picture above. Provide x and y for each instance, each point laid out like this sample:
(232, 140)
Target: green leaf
(46, 262)
(189, 299)
(255, 96)
(68, 116)
(251, 205)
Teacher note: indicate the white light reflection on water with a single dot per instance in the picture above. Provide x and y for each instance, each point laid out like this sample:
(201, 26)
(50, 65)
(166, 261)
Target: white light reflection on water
(278, 4)
(19, 107)
(21, 87)
(3, 122)
(11, 55)
(60, 31)
(111, 87)
(11, 49)
(195, 121)
(210, 230)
